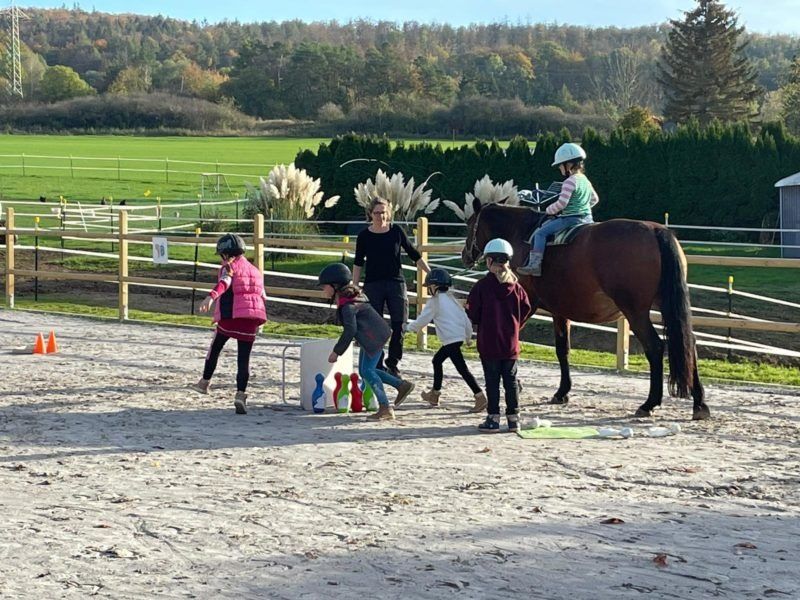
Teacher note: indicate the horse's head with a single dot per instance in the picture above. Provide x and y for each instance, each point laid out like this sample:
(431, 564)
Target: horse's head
(472, 247)
(512, 223)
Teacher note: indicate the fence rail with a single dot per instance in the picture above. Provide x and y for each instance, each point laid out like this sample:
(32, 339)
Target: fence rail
(262, 243)
(25, 166)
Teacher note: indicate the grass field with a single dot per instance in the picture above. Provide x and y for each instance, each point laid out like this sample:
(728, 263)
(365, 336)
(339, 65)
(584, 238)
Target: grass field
(86, 177)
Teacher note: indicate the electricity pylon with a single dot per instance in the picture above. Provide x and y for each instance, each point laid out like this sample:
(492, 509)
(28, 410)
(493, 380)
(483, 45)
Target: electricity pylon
(12, 65)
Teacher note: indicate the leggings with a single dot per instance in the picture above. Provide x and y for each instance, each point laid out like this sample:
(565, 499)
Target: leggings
(242, 360)
(453, 352)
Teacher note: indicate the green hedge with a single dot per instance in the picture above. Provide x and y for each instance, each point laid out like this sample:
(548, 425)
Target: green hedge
(719, 175)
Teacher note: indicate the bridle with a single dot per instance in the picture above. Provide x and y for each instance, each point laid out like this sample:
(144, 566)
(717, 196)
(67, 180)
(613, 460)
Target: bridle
(473, 248)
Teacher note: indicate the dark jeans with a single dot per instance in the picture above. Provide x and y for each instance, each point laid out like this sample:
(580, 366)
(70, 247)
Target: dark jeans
(243, 351)
(392, 294)
(453, 352)
(493, 372)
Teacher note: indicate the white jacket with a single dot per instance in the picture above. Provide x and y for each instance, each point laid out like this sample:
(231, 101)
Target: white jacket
(449, 317)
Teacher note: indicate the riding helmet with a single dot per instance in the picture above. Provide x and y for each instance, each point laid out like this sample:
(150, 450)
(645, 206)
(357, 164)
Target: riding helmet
(568, 153)
(498, 248)
(335, 274)
(231, 244)
(438, 277)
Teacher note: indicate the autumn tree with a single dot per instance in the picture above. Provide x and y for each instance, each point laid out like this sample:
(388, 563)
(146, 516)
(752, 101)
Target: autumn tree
(62, 83)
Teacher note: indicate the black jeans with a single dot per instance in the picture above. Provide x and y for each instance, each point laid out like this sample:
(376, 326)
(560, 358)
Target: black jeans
(493, 372)
(392, 294)
(453, 352)
(243, 351)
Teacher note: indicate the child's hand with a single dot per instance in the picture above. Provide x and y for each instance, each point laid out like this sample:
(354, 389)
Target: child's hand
(333, 357)
(205, 305)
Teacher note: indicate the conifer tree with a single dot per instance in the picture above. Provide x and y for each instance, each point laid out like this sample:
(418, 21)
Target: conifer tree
(791, 98)
(703, 70)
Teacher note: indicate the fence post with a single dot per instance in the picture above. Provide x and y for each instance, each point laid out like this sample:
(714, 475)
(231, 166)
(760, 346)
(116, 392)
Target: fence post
(194, 270)
(123, 265)
(422, 240)
(730, 310)
(166, 169)
(258, 241)
(623, 343)
(9, 258)
(36, 258)
(71, 169)
(23, 164)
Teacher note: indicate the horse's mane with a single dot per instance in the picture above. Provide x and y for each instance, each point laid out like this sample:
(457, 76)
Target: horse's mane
(524, 217)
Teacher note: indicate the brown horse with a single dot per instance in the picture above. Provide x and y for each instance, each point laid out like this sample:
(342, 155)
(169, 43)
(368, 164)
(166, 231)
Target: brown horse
(609, 268)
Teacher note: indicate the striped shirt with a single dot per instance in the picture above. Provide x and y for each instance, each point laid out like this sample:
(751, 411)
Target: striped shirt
(577, 197)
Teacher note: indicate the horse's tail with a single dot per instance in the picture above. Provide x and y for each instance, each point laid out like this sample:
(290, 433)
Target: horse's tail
(676, 315)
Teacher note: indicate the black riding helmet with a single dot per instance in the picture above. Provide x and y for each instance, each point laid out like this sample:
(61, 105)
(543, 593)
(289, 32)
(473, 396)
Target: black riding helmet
(335, 274)
(439, 277)
(231, 244)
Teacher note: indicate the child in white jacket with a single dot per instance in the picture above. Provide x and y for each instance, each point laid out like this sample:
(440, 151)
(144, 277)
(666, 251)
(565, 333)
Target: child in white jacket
(453, 328)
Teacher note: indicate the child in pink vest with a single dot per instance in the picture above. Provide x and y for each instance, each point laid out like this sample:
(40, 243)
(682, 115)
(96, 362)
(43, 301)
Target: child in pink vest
(239, 310)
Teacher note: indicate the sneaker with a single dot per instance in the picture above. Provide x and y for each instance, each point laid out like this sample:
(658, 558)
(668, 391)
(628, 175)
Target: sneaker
(240, 403)
(490, 425)
(405, 388)
(513, 423)
(480, 403)
(384, 413)
(201, 386)
(431, 397)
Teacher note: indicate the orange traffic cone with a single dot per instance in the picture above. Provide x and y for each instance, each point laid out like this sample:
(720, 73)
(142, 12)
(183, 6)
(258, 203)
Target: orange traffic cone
(52, 344)
(38, 346)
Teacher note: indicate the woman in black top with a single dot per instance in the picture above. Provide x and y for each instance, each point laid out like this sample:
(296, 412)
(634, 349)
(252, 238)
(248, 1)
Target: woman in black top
(380, 244)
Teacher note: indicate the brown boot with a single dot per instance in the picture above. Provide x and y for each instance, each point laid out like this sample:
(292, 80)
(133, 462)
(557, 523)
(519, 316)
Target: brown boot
(201, 386)
(431, 397)
(480, 403)
(240, 403)
(406, 387)
(385, 413)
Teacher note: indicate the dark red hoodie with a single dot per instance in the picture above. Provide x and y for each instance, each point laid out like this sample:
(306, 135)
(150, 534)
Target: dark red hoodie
(499, 310)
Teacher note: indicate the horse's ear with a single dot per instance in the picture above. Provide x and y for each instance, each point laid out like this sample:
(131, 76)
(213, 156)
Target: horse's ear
(476, 205)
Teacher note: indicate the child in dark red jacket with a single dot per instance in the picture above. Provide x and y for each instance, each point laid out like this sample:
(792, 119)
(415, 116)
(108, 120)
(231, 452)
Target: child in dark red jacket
(499, 306)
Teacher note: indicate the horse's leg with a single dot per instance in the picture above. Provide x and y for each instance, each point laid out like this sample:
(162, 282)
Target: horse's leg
(700, 409)
(643, 328)
(561, 329)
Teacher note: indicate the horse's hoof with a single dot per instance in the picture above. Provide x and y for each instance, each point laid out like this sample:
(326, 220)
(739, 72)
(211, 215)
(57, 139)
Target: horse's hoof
(701, 414)
(562, 400)
(642, 413)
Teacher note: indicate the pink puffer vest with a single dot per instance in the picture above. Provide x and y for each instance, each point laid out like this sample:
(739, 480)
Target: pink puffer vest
(247, 288)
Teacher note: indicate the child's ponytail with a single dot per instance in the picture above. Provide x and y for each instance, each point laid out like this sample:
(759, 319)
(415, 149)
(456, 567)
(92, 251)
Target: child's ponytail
(506, 275)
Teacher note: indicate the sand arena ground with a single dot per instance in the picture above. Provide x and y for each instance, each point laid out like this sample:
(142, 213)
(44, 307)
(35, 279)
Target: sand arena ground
(115, 481)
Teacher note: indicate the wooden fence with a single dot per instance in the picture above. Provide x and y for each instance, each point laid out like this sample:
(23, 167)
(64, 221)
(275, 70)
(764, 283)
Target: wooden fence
(259, 242)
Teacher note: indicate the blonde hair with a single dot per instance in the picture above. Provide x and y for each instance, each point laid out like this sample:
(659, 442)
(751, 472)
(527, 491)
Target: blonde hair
(505, 275)
(376, 201)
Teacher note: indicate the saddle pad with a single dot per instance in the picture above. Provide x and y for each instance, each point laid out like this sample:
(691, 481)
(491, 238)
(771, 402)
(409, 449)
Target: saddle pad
(558, 433)
(564, 237)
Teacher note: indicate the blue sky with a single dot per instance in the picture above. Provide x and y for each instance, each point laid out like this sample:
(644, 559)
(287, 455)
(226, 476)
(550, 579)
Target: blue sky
(766, 16)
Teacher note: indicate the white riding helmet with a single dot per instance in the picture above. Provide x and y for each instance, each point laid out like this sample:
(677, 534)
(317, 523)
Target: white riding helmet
(498, 246)
(568, 152)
